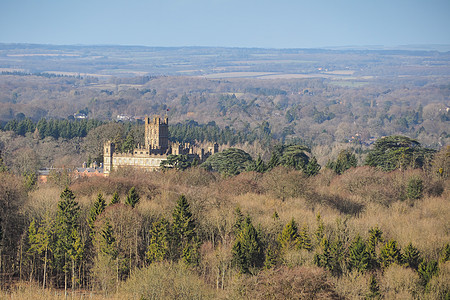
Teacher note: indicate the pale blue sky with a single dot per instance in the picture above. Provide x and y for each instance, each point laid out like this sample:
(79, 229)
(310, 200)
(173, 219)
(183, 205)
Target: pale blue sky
(235, 23)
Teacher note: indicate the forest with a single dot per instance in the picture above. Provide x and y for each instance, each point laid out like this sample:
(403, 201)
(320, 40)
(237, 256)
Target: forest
(236, 227)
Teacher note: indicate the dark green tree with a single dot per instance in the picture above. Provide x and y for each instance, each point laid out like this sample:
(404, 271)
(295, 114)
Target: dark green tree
(229, 162)
(345, 160)
(304, 241)
(398, 152)
(178, 162)
(390, 253)
(374, 289)
(97, 208)
(375, 237)
(411, 257)
(183, 227)
(132, 197)
(359, 258)
(288, 238)
(445, 253)
(159, 246)
(414, 189)
(427, 270)
(247, 249)
(115, 198)
(66, 241)
(312, 168)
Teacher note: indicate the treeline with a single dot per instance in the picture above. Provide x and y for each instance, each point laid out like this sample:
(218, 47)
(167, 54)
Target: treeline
(66, 129)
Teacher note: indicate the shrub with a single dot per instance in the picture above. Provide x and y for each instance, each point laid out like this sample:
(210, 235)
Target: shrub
(166, 281)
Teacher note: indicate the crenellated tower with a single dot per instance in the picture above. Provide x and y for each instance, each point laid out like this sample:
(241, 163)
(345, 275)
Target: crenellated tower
(157, 135)
(108, 153)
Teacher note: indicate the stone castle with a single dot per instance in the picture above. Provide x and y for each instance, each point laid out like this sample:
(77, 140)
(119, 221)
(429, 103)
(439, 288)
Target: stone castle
(155, 150)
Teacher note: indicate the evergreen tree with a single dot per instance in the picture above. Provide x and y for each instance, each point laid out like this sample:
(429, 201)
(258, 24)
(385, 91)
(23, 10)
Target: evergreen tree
(414, 190)
(304, 239)
(132, 197)
(247, 250)
(312, 168)
(375, 237)
(288, 239)
(272, 256)
(345, 160)
(320, 231)
(427, 270)
(67, 222)
(158, 248)
(374, 289)
(411, 257)
(115, 198)
(183, 225)
(359, 258)
(444, 257)
(239, 220)
(390, 253)
(274, 161)
(108, 241)
(260, 166)
(97, 208)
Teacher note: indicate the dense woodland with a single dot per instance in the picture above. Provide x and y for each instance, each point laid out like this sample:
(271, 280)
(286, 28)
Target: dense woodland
(236, 227)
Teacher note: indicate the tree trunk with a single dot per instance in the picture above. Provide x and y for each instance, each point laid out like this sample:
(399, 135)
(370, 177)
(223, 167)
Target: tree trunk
(45, 267)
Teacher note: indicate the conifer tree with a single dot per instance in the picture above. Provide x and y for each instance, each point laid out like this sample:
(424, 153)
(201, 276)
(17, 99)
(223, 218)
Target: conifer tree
(97, 208)
(359, 258)
(272, 256)
(183, 226)
(239, 220)
(67, 222)
(288, 239)
(304, 239)
(274, 161)
(247, 251)
(390, 253)
(445, 254)
(115, 198)
(375, 237)
(313, 167)
(158, 248)
(411, 257)
(260, 166)
(132, 197)
(320, 231)
(374, 289)
(427, 270)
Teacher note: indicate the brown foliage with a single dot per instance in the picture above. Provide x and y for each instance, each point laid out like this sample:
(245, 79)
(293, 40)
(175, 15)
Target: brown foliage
(288, 283)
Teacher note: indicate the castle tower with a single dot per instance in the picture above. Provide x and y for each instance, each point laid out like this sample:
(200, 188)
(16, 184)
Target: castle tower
(157, 134)
(108, 153)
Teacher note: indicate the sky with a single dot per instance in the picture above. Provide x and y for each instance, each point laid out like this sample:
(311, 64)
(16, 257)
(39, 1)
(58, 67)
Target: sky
(227, 23)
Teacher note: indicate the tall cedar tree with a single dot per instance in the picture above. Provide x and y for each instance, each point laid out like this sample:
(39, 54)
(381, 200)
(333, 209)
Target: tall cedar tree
(132, 197)
(247, 249)
(97, 208)
(313, 167)
(67, 222)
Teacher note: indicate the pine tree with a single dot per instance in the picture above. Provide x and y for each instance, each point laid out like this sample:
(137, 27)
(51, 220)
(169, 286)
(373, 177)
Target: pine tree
(390, 253)
(414, 190)
(359, 258)
(260, 166)
(158, 248)
(247, 251)
(272, 256)
(97, 208)
(320, 231)
(274, 161)
(67, 222)
(132, 197)
(411, 257)
(239, 220)
(445, 254)
(183, 225)
(375, 236)
(288, 239)
(304, 239)
(427, 270)
(115, 198)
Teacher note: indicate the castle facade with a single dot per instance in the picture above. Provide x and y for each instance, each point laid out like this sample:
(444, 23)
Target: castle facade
(155, 150)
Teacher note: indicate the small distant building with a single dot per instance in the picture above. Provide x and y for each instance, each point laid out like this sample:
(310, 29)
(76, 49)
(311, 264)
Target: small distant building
(94, 169)
(80, 116)
(156, 148)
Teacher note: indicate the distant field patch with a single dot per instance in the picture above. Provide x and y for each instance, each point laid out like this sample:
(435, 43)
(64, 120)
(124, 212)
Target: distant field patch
(43, 54)
(348, 83)
(237, 75)
(341, 72)
(75, 74)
